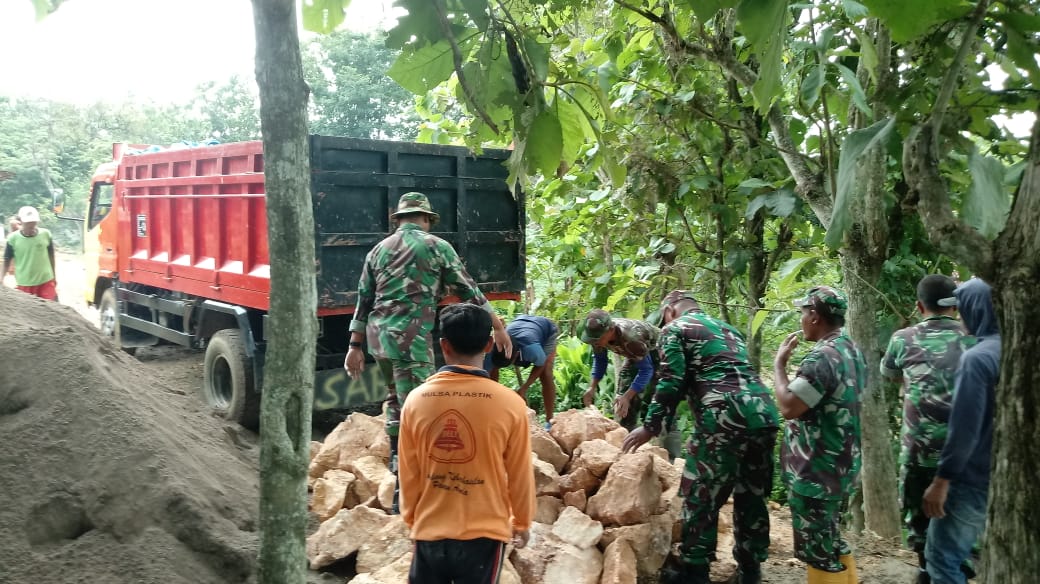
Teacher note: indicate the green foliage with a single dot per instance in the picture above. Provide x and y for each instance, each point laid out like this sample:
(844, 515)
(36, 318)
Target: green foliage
(764, 22)
(324, 16)
(987, 203)
(855, 146)
(909, 20)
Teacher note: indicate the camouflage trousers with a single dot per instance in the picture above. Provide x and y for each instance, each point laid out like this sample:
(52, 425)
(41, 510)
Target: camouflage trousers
(913, 482)
(402, 377)
(816, 524)
(717, 465)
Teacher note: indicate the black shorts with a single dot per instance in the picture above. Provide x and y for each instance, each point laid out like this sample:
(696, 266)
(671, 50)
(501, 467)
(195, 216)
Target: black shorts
(457, 561)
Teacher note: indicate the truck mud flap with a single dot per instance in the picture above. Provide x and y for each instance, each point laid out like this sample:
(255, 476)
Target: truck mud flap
(333, 390)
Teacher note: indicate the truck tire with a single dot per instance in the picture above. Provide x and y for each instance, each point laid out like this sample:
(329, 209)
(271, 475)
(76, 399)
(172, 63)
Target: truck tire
(108, 319)
(227, 384)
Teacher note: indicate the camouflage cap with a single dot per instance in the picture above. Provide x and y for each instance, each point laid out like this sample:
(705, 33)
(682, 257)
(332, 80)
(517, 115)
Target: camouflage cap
(825, 299)
(597, 323)
(677, 295)
(414, 202)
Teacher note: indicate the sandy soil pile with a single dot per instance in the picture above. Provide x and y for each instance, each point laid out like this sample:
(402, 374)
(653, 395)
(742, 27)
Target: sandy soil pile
(109, 474)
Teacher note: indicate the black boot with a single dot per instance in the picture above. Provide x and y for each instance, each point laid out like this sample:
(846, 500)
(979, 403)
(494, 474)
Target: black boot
(395, 508)
(748, 573)
(922, 573)
(683, 573)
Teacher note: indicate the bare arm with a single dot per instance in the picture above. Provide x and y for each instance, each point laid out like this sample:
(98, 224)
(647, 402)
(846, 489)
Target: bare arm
(791, 406)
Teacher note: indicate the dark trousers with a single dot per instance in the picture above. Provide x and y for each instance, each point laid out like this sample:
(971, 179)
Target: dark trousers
(457, 561)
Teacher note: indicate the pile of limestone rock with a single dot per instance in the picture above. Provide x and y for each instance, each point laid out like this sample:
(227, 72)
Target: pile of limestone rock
(603, 516)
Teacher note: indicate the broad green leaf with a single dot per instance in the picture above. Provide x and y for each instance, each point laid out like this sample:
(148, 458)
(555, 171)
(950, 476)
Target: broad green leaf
(420, 25)
(538, 54)
(1023, 52)
(787, 275)
(422, 70)
(324, 16)
(706, 9)
(858, 97)
(780, 203)
(854, 10)
(478, 11)
(764, 23)
(910, 19)
(812, 85)
(544, 144)
(1022, 22)
(572, 127)
(987, 205)
(756, 322)
(615, 169)
(752, 184)
(852, 149)
(636, 308)
(618, 295)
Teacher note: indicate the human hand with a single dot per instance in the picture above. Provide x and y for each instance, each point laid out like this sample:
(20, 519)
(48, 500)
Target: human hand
(520, 538)
(934, 499)
(783, 354)
(354, 362)
(635, 439)
(588, 397)
(621, 406)
(503, 342)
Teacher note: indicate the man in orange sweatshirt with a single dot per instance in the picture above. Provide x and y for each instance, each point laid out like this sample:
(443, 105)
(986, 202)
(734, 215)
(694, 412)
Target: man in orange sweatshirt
(467, 485)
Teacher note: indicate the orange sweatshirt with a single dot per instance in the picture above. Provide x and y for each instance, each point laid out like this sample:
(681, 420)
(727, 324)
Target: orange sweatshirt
(465, 458)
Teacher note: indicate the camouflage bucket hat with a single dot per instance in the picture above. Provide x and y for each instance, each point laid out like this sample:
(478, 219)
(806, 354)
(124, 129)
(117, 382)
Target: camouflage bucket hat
(825, 299)
(597, 323)
(414, 202)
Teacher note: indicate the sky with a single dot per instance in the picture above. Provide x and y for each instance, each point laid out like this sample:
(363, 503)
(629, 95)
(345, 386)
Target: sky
(91, 50)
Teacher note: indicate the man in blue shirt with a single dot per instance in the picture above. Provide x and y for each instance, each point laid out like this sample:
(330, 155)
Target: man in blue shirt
(534, 345)
(956, 499)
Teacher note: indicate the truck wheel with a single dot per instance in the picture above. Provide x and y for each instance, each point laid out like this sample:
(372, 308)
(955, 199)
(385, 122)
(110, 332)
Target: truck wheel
(228, 380)
(108, 319)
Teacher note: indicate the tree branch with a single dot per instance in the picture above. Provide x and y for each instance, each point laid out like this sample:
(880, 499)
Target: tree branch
(456, 55)
(949, 83)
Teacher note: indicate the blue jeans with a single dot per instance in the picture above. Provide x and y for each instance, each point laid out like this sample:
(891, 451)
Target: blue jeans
(950, 539)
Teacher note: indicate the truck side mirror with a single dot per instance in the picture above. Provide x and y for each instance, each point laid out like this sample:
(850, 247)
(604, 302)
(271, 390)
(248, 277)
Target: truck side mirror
(57, 200)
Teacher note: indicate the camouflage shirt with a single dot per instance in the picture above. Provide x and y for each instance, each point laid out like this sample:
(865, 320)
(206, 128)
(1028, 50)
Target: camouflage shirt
(635, 338)
(926, 357)
(403, 278)
(821, 453)
(705, 360)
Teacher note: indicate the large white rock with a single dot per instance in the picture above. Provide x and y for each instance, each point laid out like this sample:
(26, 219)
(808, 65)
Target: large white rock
(547, 509)
(385, 546)
(595, 455)
(580, 479)
(546, 480)
(651, 543)
(547, 449)
(395, 573)
(357, 436)
(333, 492)
(549, 560)
(616, 437)
(573, 427)
(577, 528)
(619, 564)
(370, 471)
(343, 535)
(630, 494)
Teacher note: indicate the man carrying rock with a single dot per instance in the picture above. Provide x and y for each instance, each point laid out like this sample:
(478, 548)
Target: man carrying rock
(467, 482)
(534, 345)
(636, 341)
(705, 360)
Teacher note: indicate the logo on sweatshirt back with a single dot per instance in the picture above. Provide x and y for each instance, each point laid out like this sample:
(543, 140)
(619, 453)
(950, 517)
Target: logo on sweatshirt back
(453, 439)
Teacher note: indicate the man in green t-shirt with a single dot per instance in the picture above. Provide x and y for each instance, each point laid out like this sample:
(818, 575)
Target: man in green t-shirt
(32, 251)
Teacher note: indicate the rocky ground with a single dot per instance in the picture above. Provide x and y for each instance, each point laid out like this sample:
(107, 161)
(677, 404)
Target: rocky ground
(114, 472)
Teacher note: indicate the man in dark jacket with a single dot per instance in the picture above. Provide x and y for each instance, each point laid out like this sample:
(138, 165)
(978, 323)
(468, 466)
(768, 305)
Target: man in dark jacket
(956, 499)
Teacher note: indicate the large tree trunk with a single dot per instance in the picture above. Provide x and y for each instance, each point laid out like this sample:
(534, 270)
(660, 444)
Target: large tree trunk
(1013, 540)
(880, 501)
(285, 417)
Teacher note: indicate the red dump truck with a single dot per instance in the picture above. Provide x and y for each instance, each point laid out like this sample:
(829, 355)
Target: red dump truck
(176, 249)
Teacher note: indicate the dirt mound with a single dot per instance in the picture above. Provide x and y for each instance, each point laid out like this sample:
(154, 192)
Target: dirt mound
(109, 474)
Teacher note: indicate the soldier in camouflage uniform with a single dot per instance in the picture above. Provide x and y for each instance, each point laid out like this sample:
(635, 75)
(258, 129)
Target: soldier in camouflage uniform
(705, 360)
(821, 448)
(925, 358)
(403, 278)
(634, 340)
